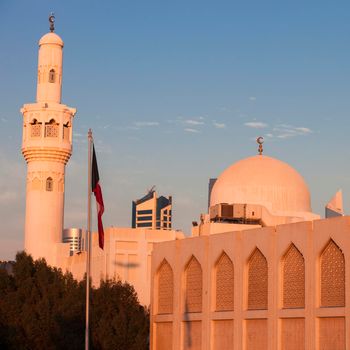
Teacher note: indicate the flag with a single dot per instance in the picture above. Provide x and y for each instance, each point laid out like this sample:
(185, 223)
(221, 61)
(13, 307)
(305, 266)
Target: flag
(96, 188)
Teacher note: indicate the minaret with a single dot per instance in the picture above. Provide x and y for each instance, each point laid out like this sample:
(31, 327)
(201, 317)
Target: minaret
(46, 147)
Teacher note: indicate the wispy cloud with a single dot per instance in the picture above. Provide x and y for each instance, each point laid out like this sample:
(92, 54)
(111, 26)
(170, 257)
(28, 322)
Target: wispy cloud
(194, 131)
(145, 124)
(256, 125)
(252, 98)
(304, 130)
(219, 125)
(285, 131)
(4, 120)
(194, 122)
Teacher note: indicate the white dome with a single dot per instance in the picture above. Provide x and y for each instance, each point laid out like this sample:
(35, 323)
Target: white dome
(51, 38)
(262, 180)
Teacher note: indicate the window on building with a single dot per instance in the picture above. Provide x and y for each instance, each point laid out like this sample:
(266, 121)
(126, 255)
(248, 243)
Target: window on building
(35, 128)
(143, 212)
(49, 184)
(52, 76)
(144, 218)
(51, 129)
(144, 224)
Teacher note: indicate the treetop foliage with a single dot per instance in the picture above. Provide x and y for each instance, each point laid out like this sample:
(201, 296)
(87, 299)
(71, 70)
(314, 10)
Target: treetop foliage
(42, 308)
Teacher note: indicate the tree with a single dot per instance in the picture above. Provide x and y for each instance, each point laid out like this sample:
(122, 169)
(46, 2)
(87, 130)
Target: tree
(42, 308)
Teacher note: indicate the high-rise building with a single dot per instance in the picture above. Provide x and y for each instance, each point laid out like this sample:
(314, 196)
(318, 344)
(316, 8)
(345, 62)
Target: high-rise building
(152, 212)
(46, 147)
(76, 239)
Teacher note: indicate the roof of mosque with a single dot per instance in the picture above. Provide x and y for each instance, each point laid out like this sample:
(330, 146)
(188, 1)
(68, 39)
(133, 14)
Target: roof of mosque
(262, 180)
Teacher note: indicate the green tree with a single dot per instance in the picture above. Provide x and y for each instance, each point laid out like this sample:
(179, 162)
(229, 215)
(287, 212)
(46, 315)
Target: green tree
(42, 308)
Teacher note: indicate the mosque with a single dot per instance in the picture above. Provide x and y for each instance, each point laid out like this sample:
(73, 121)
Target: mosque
(260, 270)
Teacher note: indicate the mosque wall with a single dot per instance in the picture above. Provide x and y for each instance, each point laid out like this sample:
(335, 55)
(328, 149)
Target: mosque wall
(126, 256)
(285, 287)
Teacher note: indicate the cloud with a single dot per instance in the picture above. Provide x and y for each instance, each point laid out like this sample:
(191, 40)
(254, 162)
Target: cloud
(252, 98)
(219, 125)
(256, 125)
(304, 130)
(146, 124)
(194, 131)
(285, 136)
(4, 120)
(194, 122)
(285, 131)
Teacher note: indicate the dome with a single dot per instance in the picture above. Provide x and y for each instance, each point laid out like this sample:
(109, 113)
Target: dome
(262, 180)
(51, 38)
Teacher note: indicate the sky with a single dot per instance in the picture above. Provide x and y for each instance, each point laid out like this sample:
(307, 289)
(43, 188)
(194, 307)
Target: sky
(175, 92)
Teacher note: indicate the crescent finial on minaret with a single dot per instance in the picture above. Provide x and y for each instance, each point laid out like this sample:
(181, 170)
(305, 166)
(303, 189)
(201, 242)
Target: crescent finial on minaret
(260, 141)
(52, 22)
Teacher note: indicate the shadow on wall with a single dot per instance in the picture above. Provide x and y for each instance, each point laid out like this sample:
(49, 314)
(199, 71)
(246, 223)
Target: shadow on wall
(187, 338)
(127, 265)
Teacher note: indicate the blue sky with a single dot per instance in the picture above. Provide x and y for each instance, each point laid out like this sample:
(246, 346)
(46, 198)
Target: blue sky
(176, 91)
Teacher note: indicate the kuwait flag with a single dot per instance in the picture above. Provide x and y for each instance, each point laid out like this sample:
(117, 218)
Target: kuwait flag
(96, 188)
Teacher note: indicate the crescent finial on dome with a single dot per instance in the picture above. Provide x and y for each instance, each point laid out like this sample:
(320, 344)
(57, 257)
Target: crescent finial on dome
(52, 22)
(260, 141)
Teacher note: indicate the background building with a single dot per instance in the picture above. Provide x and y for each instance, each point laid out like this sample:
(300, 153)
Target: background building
(76, 239)
(152, 212)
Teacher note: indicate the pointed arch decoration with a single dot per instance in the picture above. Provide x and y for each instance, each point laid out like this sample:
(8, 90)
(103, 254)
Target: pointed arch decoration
(224, 284)
(165, 288)
(52, 76)
(257, 281)
(49, 184)
(193, 286)
(293, 276)
(35, 184)
(332, 276)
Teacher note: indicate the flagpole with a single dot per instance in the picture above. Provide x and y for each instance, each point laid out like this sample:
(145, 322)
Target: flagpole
(88, 248)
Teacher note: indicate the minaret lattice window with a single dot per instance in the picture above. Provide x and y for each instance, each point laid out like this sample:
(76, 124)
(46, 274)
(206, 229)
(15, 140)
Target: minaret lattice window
(51, 129)
(35, 129)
